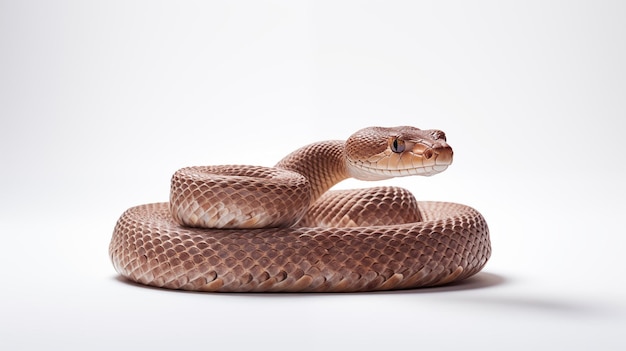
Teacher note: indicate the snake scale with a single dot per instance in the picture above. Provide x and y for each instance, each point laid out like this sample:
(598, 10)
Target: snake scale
(280, 229)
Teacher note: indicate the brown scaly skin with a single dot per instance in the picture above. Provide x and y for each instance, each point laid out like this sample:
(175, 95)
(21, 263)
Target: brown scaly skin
(350, 251)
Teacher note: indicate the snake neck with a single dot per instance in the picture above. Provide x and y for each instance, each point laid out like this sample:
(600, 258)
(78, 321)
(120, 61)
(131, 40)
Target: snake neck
(322, 163)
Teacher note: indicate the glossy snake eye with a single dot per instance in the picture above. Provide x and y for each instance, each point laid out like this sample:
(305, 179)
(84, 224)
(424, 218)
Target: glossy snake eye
(397, 145)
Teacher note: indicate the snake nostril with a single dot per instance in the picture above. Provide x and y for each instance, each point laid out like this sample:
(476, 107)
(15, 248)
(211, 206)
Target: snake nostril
(428, 154)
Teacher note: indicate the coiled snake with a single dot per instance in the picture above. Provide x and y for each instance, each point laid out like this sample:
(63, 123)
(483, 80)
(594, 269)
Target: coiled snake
(256, 229)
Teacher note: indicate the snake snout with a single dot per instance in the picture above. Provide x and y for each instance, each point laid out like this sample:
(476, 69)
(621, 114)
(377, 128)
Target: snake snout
(434, 153)
(438, 157)
(443, 155)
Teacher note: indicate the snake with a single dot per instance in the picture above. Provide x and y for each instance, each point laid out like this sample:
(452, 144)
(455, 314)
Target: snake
(237, 228)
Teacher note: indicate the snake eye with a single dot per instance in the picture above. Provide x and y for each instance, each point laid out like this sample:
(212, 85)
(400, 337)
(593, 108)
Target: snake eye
(397, 145)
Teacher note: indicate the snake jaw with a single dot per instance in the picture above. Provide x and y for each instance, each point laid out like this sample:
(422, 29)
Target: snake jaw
(378, 170)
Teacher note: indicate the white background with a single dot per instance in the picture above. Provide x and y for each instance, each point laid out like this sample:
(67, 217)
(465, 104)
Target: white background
(100, 102)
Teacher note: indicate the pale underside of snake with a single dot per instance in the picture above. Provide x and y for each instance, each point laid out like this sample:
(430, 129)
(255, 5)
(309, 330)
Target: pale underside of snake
(259, 229)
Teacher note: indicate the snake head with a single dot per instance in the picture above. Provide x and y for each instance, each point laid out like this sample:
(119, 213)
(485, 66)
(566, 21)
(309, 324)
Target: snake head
(377, 153)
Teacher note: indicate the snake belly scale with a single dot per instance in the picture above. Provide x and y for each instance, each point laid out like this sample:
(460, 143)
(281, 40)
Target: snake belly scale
(280, 229)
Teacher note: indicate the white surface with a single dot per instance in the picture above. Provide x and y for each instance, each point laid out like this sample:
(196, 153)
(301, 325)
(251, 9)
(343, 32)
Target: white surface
(101, 102)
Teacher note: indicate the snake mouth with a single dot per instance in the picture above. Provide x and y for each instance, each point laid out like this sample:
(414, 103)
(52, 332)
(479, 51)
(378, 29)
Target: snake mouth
(425, 162)
(368, 172)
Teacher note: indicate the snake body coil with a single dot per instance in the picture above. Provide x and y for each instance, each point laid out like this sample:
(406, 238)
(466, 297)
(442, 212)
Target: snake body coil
(254, 229)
